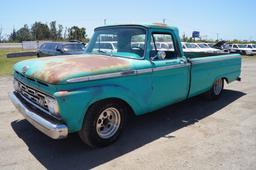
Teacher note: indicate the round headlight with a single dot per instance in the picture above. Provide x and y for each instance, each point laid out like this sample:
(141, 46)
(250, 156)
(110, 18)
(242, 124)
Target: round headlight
(16, 85)
(52, 106)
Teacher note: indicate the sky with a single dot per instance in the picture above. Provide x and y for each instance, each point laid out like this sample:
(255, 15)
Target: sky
(230, 19)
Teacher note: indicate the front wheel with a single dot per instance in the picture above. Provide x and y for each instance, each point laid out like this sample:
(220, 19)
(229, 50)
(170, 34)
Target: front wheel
(216, 89)
(103, 123)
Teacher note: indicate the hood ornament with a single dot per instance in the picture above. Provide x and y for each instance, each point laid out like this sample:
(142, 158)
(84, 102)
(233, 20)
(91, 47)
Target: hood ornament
(24, 69)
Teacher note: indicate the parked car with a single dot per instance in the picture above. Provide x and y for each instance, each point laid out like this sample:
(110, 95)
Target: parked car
(206, 48)
(215, 49)
(92, 94)
(252, 47)
(105, 46)
(191, 47)
(240, 48)
(60, 48)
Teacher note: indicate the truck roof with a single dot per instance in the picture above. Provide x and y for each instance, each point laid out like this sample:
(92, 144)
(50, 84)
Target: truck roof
(147, 26)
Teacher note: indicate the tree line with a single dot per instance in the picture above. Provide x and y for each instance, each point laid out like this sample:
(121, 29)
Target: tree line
(51, 31)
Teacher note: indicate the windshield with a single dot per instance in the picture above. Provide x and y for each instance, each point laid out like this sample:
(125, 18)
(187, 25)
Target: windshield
(188, 45)
(203, 46)
(118, 41)
(73, 47)
(242, 46)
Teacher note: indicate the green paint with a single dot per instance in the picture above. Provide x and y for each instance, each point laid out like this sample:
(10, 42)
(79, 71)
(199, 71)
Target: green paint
(143, 92)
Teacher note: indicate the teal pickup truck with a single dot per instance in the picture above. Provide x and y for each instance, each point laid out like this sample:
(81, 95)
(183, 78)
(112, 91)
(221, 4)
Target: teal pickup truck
(93, 93)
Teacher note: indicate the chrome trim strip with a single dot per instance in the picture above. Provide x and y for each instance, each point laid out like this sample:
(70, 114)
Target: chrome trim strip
(143, 71)
(207, 60)
(95, 77)
(120, 74)
(33, 88)
(53, 130)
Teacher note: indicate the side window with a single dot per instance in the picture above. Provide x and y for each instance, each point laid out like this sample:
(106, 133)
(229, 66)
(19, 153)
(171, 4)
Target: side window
(163, 42)
(104, 43)
(235, 46)
(137, 42)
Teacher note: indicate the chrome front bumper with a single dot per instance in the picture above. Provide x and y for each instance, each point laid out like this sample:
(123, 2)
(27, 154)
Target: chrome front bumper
(50, 128)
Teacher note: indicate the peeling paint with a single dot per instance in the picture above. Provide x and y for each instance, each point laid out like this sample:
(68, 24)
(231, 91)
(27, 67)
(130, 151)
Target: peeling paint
(55, 71)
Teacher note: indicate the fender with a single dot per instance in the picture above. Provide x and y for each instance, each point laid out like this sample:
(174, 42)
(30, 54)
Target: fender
(81, 99)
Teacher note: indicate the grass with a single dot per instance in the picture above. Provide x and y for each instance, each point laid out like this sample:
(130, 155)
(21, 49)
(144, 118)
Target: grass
(6, 64)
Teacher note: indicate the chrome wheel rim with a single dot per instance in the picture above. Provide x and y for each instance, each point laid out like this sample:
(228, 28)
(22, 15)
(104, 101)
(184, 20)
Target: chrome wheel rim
(217, 87)
(108, 123)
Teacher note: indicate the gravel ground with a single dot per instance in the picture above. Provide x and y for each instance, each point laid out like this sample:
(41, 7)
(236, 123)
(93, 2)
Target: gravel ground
(195, 134)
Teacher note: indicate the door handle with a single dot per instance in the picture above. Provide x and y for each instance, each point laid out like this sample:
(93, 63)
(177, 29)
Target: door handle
(129, 72)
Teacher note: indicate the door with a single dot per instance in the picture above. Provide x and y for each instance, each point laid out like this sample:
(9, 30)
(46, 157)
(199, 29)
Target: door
(170, 74)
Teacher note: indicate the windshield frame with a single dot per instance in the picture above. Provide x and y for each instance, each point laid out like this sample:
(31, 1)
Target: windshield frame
(90, 44)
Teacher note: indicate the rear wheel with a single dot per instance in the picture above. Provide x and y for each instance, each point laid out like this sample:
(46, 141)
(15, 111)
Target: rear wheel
(216, 90)
(103, 123)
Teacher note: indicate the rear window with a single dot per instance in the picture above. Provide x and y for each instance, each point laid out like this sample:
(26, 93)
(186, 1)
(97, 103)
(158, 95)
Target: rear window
(104, 45)
(43, 46)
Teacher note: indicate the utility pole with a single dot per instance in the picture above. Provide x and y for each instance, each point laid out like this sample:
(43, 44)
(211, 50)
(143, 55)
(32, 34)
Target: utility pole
(217, 36)
(164, 21)
(1, 31)
(105, 21)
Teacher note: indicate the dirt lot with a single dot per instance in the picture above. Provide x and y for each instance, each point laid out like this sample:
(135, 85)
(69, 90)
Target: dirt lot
(195, 134)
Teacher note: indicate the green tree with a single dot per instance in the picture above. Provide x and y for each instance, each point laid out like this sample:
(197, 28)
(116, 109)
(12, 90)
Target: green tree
(40, 31)
(13, 36)
(59, 33)
(76, 33)
(23, 34)
(184, 38)
(53, 30)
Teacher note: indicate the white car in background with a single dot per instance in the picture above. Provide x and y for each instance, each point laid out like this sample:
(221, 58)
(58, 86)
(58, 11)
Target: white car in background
(206, 48)
(138, 45)
(241, 49)
(252, 47)
(106, 46)
(165, 46)
(191, 47)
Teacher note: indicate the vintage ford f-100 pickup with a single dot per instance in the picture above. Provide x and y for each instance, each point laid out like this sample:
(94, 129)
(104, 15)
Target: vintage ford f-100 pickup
(93, 93)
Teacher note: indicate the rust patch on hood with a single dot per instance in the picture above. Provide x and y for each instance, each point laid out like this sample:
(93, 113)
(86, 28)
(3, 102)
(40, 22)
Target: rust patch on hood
(55, 71)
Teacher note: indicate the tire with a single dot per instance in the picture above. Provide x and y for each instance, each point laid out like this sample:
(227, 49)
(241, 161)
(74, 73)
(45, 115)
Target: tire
(216, 89)
(98, 128)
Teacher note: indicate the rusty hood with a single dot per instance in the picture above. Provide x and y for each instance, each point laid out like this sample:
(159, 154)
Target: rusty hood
(56, 70)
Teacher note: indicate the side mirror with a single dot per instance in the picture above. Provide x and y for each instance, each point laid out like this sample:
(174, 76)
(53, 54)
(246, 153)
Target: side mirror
(59, 49)
(161, 55)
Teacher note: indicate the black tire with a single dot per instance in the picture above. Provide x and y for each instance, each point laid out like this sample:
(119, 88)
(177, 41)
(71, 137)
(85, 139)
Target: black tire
(214, 94)
(89, 134)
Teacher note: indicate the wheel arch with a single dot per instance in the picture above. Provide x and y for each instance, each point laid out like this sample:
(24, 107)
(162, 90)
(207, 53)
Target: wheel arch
(115, 99)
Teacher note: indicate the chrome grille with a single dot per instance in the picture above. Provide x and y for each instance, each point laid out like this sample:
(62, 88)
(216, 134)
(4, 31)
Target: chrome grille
(32, 95)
